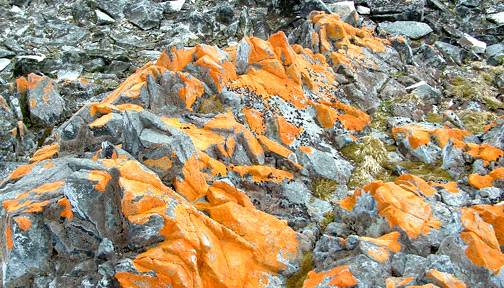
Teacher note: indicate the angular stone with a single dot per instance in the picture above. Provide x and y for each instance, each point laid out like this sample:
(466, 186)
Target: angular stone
(411, 29)
(343, 8)
(473, 44)
(102, 18)
(144, 14)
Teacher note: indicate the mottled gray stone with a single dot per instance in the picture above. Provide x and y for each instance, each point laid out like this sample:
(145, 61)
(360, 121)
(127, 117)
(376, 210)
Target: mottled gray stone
(144, 13)
(327, 164)
(411, 29)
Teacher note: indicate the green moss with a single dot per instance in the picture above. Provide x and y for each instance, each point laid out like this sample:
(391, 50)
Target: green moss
(328, 218)
(323, 188)
(434, 118)
(297, 280)
(478, 87)
(475, 122)
(371, 156)
(210, 105)
(428, 172)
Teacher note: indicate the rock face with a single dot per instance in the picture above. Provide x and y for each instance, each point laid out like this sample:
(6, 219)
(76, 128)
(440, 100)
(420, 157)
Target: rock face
(314, 150)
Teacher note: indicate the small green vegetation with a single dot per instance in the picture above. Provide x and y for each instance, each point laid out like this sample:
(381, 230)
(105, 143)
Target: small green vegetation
(297, 280)
(475, 122)
(434, 118)
(428, 172)
(210, 105)
(323, 188)
(478, 87)
(328, 218)
(379, 118)
(370, 157)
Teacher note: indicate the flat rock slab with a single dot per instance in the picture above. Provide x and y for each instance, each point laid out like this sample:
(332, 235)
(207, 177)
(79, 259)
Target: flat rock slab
(412, 29)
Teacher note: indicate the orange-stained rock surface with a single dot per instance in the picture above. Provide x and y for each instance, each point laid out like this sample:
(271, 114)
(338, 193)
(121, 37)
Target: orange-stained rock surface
(494, 215)
(46, 152)
(197, 248)
(401, 202)
(341, 277)
(479, 181)
(446, 280)
(483, 248)
(395, 282)
(388, 240)
(418, 135)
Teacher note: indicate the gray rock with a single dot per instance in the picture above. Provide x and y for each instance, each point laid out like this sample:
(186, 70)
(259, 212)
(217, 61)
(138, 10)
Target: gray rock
(144, 14)
(327, 164)
(343, 8)
(490, 193)
(102, 18)
(390, 10)
(6, 53)
(451, 53)
(473, 44)
(453, 161)
(174, 6)
(45, 104)
(4, 63)
(425, 92)
(411, 29)
(310, 5)
(225, 14)
(497, 18)
(114, 8)
(429, 57)
(362, 10)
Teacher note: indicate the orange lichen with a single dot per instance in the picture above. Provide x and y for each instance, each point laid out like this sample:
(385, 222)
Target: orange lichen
(221, 70)
(23, 223)
(176, 60)
(419, 135)
(415, 135)
(193, 186)
(421, 185)
(254, 120)
(201, 138)
(33, 103)
(48, 187)
(46, 152)
(341, 277)
(67, 210)
(485, 152)
(401, 203)
(134, 82)
(306, 149)
(288, 132)
(191, 91)
(217, 167)
(380, 254)
(493, 215)
(8, 235)
(163, 163)
(100, 122)
(261, 173)
(326, 115)
(396, 282)
(102, 177)
(272, 146)
(479, 181)
(446, 280)
(21, 171)
(130, 107)
(483, 248)
(450, 186)
(36, 207)
(48, 165)
(388, 240)
(197, 249)
(227, 122)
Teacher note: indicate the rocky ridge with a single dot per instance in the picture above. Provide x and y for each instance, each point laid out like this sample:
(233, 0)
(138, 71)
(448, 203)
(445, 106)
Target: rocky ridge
(358, 149)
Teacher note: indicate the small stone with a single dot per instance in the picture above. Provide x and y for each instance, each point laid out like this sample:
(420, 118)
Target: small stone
(310, 5)
(144, 14)
(4, 63)
(473, 44)
(174, 6)
(343, 8)
(102, 18)
(411, 29)
(497, 18)
(363, 10)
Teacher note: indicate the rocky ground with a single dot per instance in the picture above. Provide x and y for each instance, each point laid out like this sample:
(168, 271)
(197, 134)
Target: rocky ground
(252, 143)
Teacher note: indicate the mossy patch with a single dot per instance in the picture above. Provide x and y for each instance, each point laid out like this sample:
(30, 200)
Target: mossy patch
(475, 122)
(328, 218)
(297, 280)
(428, 172)
(211, 105)
(478, 87)
(323, 188)
(371, 156)
(434, 118)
